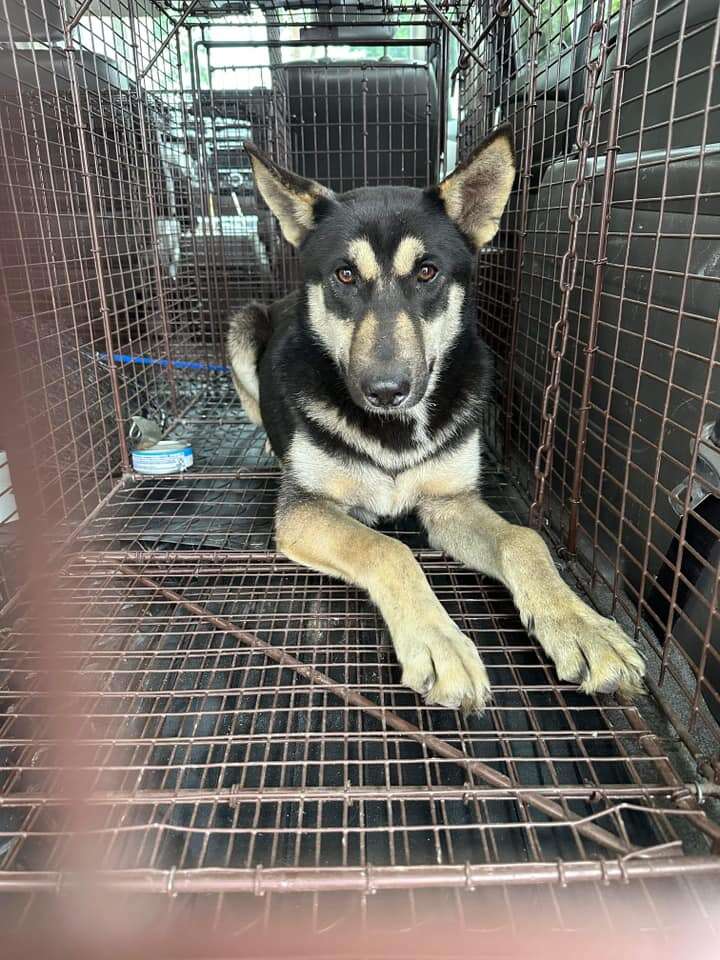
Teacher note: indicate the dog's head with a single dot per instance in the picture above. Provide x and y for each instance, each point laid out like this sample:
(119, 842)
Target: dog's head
(387, 269)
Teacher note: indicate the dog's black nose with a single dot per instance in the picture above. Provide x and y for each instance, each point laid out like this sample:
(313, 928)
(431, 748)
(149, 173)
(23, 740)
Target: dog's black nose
(390, 392)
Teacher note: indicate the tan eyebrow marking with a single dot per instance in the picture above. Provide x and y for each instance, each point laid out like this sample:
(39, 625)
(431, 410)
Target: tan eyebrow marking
(363, 255)
(408, 252)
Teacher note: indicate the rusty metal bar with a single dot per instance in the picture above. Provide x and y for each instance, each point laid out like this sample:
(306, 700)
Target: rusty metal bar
(599, 278)
(78, 15)
(455, 32)
(271, 44)
(350, 793)
(502, 9)
(368, 879)
(525, 175)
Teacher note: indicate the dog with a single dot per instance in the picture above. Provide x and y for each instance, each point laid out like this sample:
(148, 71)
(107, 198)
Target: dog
(370, 383)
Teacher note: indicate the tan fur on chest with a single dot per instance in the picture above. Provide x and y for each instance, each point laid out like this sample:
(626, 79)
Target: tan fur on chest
(357, 485)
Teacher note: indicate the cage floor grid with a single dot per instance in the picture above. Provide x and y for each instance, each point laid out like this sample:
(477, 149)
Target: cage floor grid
(229, 514)
(251, 714)
(222, 437)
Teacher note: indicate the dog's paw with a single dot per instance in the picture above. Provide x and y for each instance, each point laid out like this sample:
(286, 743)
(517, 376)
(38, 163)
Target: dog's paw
(441, 664)
(589, 649)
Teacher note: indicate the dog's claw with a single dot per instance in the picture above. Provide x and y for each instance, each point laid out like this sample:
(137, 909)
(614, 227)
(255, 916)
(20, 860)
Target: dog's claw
(590, 650)
(442, 665)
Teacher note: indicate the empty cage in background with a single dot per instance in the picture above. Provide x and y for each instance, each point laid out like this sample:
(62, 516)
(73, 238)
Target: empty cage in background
(232, 724)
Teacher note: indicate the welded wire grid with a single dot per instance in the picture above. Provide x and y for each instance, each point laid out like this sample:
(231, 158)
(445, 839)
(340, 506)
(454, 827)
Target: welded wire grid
(49, 286)
(291, 90)
(215, 691)
(85, 239)
(230, 512)
(219, 717)
(637, 382)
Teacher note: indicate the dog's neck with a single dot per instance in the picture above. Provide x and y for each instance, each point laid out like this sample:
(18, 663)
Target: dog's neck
(449, 409)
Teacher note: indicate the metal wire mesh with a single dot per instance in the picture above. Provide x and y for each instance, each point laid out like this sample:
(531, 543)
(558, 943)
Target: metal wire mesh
(236, 723)
(214, 723)
(629, 491)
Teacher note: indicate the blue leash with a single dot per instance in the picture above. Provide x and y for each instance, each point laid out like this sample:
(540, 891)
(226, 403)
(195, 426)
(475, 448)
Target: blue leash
(155, 362)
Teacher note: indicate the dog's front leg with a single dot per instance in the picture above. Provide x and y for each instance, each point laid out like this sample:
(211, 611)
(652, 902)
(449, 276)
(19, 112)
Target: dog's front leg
(438, 661)
(587, 649)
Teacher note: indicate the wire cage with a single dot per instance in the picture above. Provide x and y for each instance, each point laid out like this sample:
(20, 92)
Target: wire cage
(184, 710)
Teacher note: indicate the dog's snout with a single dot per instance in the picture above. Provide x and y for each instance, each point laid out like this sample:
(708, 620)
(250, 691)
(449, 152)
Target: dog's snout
(387, 392)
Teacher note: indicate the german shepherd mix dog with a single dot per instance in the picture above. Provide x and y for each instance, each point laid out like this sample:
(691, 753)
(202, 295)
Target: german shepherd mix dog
(370, 384)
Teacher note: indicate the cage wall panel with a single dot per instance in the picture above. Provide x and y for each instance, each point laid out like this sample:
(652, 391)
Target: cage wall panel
(226, 715)
(641, 513)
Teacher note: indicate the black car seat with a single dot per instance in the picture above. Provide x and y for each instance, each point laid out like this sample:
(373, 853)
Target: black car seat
(355, 124)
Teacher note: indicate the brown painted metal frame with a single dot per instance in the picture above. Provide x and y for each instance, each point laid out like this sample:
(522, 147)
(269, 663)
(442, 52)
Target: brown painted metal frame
(668, 800)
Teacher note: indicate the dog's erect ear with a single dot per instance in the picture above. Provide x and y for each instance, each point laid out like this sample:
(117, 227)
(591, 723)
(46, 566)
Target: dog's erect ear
(475, 193)
(291, 198)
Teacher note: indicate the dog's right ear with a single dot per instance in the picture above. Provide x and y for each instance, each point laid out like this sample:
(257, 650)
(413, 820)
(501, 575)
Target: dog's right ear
(291, 198)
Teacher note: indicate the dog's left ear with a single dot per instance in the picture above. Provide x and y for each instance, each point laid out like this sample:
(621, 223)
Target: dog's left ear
(475, 193)
(291, 198)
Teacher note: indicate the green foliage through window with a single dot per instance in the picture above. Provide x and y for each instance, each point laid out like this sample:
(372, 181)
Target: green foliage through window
(559, 24)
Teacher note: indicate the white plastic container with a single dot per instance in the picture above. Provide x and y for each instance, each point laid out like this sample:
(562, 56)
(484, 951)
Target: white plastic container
(8, 507)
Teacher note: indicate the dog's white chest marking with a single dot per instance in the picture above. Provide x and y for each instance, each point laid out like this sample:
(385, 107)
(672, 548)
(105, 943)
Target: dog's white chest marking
(367, 488)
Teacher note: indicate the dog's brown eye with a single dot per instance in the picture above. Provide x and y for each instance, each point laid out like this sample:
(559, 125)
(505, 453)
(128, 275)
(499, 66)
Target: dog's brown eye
(427, 272)
(345, 275)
